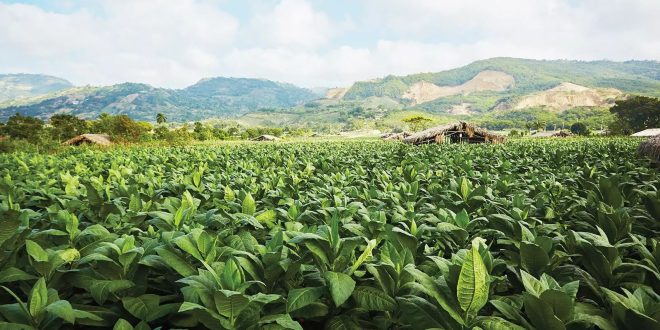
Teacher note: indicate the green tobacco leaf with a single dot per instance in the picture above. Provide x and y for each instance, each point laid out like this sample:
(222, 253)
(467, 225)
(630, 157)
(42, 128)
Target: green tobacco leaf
(179, 264)
(417, 313)
(341, 286)
(472, 289)
(267, 216)
(496, 323)
(533, 258)
(9, 223)
(36, 252)
(438, 290)
(373, 299)
(63, 310)
(38, 298)
(560, 302)
(302, 297)
(462, 219)
(249, 207)
(230, 304)
(230, 195)
(465, 188)
(541, 314)
(122, 325)
(100, 289)
(142, 307)
(13, 274)
(342, 322)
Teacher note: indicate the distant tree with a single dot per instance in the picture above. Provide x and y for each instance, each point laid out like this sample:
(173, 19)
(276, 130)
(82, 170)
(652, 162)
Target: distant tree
(579, 129)
(636, 113)
(120, 127)
(67, 126)
(24, 127)
(202, 132)
(538, 125)
(417, 123)
(161, 118)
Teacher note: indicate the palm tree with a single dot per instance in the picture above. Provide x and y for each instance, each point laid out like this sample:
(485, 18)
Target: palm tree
(160, 118)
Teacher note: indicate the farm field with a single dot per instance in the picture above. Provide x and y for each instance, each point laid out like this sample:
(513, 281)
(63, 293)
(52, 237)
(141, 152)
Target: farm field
(555, 234)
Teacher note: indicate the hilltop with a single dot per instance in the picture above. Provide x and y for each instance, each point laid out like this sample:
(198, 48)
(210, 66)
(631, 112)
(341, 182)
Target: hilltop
(22, 85)
(486, 90)
(209, 98)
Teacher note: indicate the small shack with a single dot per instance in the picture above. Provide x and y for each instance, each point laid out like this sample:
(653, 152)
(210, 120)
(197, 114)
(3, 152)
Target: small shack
(547, 134)
(458, 132)
(266, 137)
(395, 136)
(98, 139)
(648, 132)
(651, 148)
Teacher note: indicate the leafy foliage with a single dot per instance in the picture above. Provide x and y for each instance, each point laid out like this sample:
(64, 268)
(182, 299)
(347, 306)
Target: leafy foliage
(532, 234)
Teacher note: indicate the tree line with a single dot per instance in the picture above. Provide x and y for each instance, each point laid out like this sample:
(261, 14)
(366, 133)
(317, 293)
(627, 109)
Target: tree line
(20, 130)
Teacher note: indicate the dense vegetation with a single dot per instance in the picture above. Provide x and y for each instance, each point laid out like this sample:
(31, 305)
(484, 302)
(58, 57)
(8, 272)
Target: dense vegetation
(535, 234)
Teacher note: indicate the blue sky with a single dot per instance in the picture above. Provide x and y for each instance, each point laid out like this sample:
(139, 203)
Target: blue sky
(174, 43)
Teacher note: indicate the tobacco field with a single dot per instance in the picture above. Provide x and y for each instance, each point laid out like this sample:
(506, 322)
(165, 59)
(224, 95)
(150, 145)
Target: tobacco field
(559, 234)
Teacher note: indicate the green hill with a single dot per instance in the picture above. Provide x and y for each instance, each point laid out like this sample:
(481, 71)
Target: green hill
(209, 98)
(641, 77)
(22, 85)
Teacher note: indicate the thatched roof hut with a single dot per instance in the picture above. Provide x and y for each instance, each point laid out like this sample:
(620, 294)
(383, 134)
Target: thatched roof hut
(550, 134)
(648, 132)
(266, 137)
(395, 136)
(458, 132)
(651, 148)
(99, 139)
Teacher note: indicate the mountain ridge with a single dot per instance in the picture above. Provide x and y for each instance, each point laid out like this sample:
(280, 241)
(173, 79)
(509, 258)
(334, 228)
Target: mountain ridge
(481, 87)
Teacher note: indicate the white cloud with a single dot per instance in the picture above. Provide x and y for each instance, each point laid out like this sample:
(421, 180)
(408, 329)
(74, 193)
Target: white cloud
(292, 23)
(175, 43)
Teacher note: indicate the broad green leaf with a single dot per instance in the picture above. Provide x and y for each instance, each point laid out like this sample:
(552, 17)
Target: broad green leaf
(230, 304)
(496, 323)
(472, 289)
(267, 216)
(465, 188)
(100, 289)
(373, 299)
(9, 223)
(541, 314)
(142, 307)
(38, 297)
(63, 310)
(36, 252)
(13, 274)
(462, 219)
(302, 297)
(560, 302)
(342, 322)
(230, 196)
(533, 258)
(180, 265)
(341, 286)
(122, 324)
(249, 206)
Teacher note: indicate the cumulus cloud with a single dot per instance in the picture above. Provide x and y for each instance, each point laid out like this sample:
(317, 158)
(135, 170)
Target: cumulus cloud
(175, 43)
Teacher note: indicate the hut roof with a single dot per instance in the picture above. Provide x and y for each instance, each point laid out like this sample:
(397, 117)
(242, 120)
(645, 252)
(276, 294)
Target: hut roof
(100, 139)
(651, 148)
(648, 132)
(429, 135)
(395, 136)
(266, 137)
